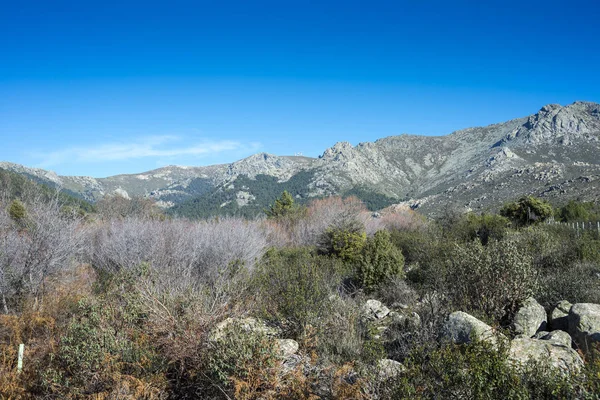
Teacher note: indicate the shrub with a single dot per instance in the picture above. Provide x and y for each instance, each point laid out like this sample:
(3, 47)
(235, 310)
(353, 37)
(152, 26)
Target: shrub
(34, 250)
(323, 214)
(244, 362)
(577, 282)
(477, 371)
(527, 210)
(346, 244)
(491, 280)
(17, 211)
(484, 227)
(294, 285)
(379, 261)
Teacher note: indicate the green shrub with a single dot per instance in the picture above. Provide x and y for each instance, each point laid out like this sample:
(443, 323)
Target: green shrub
(575, 211)
(293, 286)
(490, 279)
(101, 345)
(577, 282)
(241, 357)
(527, 210)
(477, 371)
(379, 261)
(345, 242)
(484, 227)
(17, 211)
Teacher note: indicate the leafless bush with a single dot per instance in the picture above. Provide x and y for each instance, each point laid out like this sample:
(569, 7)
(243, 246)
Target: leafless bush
(183, 253)
(323, 214)
(31, 250)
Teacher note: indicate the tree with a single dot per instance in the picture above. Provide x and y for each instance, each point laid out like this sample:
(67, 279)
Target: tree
(527, 210)
(282, 207)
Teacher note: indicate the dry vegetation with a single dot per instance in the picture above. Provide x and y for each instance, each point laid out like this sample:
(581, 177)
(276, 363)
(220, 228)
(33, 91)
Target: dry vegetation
(124, 304)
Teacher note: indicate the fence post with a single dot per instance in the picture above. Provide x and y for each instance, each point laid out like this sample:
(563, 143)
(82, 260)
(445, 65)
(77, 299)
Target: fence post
(20, 359)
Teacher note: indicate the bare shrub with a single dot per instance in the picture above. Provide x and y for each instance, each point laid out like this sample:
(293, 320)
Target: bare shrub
(182, 252)
(41, 244)
(323, 214)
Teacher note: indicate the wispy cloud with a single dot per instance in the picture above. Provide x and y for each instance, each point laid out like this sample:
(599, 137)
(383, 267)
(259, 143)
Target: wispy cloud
(146, 147)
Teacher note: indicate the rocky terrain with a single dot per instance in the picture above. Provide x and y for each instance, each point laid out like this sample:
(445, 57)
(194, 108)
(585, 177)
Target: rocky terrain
(553, 154)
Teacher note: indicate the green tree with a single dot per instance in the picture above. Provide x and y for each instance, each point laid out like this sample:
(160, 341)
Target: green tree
(282, 207)
(527, 210)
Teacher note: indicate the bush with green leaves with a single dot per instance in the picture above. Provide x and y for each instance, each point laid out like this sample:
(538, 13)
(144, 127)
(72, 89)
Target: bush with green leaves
(479, 371)
(293, 286)
(104, 343)
(345, 241)
(577, 211)
(484, 227)
(527, 210)
(17, 211)
(490, 280)
(240, 356)
(379, 261)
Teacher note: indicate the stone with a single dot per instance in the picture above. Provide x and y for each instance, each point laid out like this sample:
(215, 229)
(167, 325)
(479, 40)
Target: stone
(530, 318)
(538, 335)
(559, 318)
(389, 369)
(248, 324)
(584, 324)
(374, 309)
(287, 347)
(549, 353)
(557, 336)
(464, 328)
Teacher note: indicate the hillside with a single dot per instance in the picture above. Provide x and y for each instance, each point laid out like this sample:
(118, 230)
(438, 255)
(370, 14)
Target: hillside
(551, 154)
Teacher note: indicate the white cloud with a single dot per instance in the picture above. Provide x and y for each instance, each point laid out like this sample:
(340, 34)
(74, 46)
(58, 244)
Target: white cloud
(145, 147)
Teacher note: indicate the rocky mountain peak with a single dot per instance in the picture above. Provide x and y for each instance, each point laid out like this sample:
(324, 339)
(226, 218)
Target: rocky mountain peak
(555, 124)
(339, 151)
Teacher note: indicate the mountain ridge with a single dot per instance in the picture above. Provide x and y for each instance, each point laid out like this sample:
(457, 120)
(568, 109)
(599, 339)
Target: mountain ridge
(550, 153)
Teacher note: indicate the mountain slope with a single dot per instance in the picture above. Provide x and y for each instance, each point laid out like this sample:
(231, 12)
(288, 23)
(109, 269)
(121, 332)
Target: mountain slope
(554, 153)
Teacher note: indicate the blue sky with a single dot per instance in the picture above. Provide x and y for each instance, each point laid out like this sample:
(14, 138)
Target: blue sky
(101, 88)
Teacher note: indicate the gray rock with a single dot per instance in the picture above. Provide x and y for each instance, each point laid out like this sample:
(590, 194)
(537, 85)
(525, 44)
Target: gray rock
(538, 335)
(464, 328)
(547, 352)
(287, 347)
(559, 318)
(584, 324)
(558, 337)
(530, 318)
(373, 309)
(389, 369)
(248, 324)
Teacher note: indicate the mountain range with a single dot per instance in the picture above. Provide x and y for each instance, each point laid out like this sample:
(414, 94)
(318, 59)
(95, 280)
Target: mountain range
(553, 154)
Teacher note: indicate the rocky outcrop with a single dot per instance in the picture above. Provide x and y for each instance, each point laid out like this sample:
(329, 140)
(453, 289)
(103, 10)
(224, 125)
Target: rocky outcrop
(549, 353)
(584, 324)
(530, 318)
(464, 328)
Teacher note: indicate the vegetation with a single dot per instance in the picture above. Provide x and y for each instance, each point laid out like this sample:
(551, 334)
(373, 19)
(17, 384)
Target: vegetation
(131, 304)
(527, 210)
